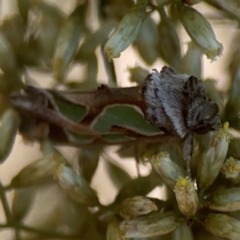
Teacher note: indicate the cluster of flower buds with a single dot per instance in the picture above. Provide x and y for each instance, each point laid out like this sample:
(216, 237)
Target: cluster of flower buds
(139, 217)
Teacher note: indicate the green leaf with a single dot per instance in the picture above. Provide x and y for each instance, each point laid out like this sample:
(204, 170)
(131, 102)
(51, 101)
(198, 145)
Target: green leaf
(74, 112)
(123, 116)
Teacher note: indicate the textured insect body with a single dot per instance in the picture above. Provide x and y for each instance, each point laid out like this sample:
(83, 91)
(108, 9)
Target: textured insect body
(177, 103)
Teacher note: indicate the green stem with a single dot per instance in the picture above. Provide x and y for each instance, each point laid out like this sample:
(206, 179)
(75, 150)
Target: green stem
(5, 204)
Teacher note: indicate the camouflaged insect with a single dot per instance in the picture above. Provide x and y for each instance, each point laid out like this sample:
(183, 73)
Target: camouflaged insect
(177, 103)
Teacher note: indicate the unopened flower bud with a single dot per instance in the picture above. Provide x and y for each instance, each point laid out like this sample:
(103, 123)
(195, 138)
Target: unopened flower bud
(113, 230)
(137, 74)
(168, 170)
(212, 160)
(8, 58)
(75, 186)
(200, 31)
(225, 200)
(186, 195)
(38, 172)
(231, 170)
(223, 226)
(154, 224)
(135, 206)
(127, 30)
(8, 130)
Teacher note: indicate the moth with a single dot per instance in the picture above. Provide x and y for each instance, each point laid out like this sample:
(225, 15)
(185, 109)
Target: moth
(177, 103)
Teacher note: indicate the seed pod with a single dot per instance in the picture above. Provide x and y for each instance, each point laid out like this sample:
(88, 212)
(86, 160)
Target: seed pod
(200, 31)
(37, 172)
(75, 186)
(154, 224)
(168, 170)
(133, 207)
(187, 198)
(8, 130)
(225, 200)
(223, 226)
(212, 160)
(126, 31)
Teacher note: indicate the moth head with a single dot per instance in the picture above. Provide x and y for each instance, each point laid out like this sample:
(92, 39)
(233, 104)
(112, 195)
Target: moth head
(209, 118)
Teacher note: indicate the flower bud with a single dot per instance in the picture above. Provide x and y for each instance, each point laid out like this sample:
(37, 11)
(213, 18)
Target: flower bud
(200, 31)
(168, 170)
(113, 231)
(67, 42)
(169, 47)
(75, 186)
(133, 207)
(192, 63)
(8, 130)
(212, 160)
(137, 74)
(37, 172)
(147, 41)
(225, 200)
(126, 31)
(222, 226)
(154, 224)
(187, 198)
(7, 59)
(231, 169)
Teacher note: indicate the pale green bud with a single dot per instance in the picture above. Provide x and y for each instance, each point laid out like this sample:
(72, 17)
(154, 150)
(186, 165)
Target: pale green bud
(7, 59)
(182, 233)
(192, 61)
(67, 42)
(212, 160)
(231, 169)
(135, 206)
(8, 130)
(168, 170)
(223, 226)
(75, 186)
(200, 31)
(126, 31)
(225, 200)
(154, 224)
(186, 195)
(137, 74)
(37, 172)
(113, 230)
